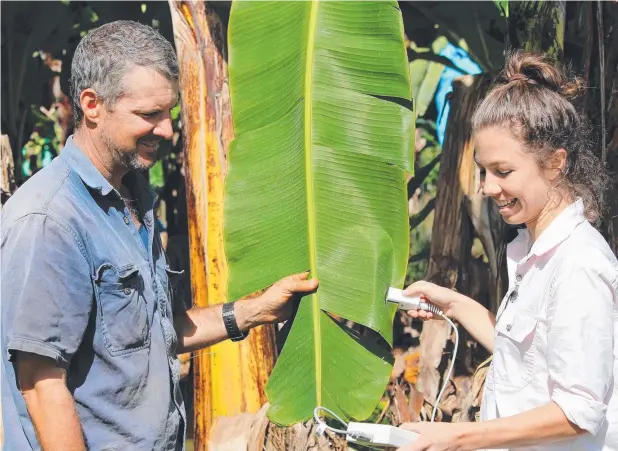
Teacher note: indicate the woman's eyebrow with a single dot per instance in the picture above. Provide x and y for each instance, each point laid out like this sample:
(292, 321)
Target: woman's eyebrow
(492, 163)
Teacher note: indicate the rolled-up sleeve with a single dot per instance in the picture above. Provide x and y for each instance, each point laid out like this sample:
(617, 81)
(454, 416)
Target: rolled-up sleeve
(580, 340)
(47, 289)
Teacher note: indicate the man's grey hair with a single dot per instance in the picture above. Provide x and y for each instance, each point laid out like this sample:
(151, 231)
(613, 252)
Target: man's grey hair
(107, 53)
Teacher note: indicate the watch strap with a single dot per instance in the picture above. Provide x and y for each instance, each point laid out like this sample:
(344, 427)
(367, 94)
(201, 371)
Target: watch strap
(231, 326)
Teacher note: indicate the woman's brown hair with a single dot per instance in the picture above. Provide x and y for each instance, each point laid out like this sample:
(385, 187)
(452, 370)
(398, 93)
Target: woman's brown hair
(532, 99)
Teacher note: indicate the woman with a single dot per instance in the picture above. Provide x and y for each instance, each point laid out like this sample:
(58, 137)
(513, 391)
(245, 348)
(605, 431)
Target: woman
(551, 382)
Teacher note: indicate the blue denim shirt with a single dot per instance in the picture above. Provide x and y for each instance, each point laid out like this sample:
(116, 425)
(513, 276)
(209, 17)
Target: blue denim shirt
(78, 286)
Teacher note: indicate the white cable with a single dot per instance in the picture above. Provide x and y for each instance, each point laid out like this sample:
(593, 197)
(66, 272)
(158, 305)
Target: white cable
(450, 370)
(323, 426)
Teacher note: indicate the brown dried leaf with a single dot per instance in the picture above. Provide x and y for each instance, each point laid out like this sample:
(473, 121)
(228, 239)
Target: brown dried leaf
(412, 362)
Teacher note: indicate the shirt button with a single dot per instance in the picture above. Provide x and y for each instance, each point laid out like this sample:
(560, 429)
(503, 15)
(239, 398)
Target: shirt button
(508, 327)
(513, 295)
(127, 291)
(518, 277)
(126, 220)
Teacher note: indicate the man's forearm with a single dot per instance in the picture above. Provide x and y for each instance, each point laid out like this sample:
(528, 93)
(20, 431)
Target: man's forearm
(203, 327)
(545, 424)
(54, 416)
(476, 319)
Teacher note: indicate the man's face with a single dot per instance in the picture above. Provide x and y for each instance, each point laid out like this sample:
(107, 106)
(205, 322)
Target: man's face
(139, 119)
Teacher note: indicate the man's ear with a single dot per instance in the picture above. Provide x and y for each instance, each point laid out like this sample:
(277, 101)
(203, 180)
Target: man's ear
(91, 105)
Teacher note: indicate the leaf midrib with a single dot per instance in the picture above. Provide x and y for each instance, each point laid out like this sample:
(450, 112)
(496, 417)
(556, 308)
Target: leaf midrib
(311, 196)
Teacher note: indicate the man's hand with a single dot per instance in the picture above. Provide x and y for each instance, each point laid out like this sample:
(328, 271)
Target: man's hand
(276, 304)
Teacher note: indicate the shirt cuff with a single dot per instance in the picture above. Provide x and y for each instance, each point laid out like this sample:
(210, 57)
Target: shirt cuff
(36, 347)
(582, 411)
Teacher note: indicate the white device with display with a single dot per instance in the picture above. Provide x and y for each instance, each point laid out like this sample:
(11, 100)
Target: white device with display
(384, 435)
(367, 434)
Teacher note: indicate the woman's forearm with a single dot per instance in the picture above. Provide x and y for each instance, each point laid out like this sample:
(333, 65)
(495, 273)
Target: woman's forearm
(476, 319)
(545, 424)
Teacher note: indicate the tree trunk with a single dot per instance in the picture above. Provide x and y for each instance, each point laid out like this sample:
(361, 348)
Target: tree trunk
(450, 255)
(229, 378)
(602, 106)
(7, 183)
(537, 26)
(253, 432)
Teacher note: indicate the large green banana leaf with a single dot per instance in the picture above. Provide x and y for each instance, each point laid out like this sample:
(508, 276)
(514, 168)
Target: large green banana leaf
(324, 136)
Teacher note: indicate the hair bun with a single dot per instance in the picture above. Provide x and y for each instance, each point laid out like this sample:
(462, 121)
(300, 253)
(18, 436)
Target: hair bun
(539, 69)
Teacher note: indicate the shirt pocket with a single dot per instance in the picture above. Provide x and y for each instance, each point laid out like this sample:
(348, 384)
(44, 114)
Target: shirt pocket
(515, 349)
(122, 309)
(173, 279)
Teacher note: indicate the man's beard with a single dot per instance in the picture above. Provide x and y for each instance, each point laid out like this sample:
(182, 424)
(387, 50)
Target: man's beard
(127, 158)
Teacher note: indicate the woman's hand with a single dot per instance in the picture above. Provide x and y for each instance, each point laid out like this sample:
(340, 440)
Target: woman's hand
(441, 297)
(436, 436)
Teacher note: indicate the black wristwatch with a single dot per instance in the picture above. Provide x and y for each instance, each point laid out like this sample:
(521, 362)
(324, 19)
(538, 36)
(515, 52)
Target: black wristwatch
(231, 326)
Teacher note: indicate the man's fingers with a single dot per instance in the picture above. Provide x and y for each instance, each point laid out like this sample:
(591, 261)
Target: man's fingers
(298, 283)
(306, 286)
(301, 276)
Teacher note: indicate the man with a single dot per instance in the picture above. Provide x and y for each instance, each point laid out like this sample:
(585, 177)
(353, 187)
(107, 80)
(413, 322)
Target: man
(89, 332)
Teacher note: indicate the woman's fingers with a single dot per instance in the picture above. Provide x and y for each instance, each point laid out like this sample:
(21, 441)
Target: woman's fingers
(420, 314)
(416, 289)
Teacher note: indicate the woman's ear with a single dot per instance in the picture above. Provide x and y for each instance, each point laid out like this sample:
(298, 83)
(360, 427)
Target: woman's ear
(558, 164)
(561, 155)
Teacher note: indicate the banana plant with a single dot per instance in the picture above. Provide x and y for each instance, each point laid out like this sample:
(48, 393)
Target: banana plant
(324, 130)
(425, 74)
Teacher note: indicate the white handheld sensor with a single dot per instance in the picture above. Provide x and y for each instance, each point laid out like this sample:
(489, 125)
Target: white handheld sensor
(404, 302)
(379, 435)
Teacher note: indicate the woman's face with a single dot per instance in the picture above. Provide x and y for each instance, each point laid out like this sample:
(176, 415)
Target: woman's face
(512, 177)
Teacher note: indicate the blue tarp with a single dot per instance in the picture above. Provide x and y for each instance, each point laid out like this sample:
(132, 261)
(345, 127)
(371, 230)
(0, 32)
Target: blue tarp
(460, 58)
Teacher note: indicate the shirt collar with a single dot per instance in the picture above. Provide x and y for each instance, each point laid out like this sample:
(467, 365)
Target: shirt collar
(558, 230)
(83, 167)
(90, 175)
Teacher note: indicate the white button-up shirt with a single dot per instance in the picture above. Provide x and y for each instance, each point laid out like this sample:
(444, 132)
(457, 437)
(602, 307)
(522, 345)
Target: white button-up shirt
(556, 332)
